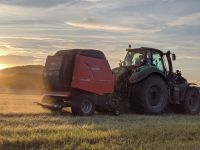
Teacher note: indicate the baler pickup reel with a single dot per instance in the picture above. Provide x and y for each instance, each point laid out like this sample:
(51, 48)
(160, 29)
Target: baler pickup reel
(49, 106)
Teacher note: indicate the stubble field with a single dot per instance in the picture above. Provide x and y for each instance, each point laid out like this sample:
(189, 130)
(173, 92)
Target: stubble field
(24, 125)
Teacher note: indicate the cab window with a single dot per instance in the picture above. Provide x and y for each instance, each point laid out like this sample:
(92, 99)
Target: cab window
(157, 61)
(134, 58)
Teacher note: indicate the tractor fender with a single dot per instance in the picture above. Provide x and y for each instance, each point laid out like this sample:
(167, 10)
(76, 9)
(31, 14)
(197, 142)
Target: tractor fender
(143, 72)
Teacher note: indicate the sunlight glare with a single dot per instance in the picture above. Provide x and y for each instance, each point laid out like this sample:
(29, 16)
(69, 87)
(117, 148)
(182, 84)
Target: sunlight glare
(2, 66)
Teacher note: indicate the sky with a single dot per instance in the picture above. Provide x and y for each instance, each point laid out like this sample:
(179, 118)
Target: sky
(32, 29)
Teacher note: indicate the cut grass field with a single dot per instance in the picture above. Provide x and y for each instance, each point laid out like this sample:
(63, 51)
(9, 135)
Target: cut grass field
(24, 125)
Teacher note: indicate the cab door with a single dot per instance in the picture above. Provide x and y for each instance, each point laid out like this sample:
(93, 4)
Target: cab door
(157, 61)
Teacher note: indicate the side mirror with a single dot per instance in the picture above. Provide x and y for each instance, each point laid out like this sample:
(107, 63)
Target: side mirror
(173, 57)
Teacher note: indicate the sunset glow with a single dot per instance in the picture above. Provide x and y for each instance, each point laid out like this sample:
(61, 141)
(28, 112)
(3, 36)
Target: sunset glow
(3, 66)
(26, 38)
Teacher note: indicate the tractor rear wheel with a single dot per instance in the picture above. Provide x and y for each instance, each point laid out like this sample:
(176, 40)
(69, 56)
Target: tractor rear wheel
(150, 96)
(191, 103)
(83, 105)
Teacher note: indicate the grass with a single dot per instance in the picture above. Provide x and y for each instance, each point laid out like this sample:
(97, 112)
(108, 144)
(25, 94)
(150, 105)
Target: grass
(24, 125)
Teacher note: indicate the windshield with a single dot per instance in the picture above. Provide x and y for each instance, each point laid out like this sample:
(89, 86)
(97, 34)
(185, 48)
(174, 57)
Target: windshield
(134, 58)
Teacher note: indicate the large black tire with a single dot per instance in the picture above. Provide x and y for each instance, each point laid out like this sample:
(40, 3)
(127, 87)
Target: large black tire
(83, 105)
(191, 103)
(150, 96)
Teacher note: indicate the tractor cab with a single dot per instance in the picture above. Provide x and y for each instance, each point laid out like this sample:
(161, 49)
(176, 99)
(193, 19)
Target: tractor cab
(149, 57)
(141, 62)
(150, 60)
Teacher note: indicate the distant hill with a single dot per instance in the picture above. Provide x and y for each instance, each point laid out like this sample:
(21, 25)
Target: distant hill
(22, 78)
(35, 69)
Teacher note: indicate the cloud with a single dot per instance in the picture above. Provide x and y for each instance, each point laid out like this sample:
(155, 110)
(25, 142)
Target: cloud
(34, 3)
(192, 19)
(189, 57)
(44, 3)
(6, 49)
(94, 25)
(91, 1)
(97, 26)
(14, 60)
(40, 39)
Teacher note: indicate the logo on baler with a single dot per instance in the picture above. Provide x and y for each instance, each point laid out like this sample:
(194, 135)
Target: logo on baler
(95, 69)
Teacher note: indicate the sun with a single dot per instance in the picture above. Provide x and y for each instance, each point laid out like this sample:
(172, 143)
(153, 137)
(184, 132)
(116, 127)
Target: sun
(2, 66)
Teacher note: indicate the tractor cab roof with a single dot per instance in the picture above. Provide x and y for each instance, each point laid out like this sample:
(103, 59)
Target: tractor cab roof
(144, 49)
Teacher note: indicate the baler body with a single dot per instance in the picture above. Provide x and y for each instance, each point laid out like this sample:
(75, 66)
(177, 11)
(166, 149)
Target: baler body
(72, 73)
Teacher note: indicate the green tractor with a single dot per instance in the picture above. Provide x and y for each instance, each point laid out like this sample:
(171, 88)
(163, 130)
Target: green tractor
(146, 80)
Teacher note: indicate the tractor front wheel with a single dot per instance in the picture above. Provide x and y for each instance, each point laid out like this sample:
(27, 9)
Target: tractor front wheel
(83, 105)
(191, 103)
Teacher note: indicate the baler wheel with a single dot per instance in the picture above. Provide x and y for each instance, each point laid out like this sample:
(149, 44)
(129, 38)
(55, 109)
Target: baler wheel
(191, 103)
(83, 105)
